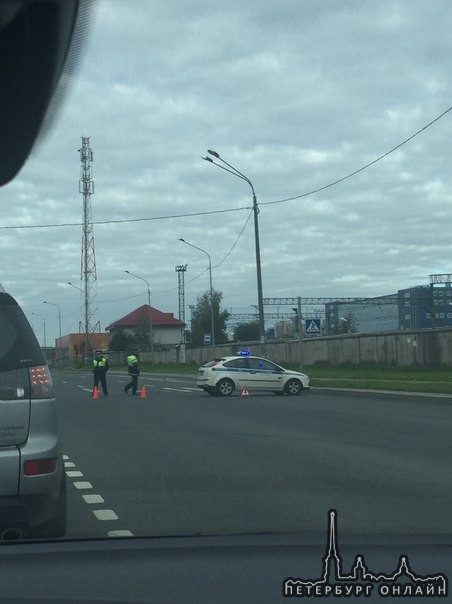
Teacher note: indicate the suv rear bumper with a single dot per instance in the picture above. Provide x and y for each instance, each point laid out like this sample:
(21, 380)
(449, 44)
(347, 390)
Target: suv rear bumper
(38, 502)
(27, 511)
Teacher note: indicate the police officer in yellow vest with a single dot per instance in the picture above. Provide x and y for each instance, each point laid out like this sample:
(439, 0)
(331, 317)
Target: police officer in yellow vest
(100, 368)
(134, 372)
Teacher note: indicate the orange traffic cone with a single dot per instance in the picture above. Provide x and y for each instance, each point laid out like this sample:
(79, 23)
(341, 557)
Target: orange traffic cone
(95, 392)
(143, 392)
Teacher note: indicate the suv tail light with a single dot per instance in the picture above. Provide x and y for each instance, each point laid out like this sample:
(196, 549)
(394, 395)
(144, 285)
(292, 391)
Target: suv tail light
(41, 385)
(33, 467)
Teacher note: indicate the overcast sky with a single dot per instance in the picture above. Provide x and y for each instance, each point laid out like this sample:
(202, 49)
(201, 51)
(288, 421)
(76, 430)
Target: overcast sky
(294, 93)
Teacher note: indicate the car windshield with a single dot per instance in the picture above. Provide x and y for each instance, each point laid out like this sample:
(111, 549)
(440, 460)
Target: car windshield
(233, 179)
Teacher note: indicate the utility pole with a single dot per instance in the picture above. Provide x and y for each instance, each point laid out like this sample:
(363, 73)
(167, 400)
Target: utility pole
(180, 270)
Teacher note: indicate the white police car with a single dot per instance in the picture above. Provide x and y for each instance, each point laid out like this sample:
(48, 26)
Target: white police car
(223, 376)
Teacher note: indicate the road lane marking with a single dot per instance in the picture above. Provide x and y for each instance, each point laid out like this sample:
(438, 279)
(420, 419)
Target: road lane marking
(187, 389)
(120, 534)
(105, 515)
(95, 499)
(91, 499)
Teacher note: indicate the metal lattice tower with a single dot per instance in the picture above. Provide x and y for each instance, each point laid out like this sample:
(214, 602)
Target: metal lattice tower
(180, 270)
(88, 273)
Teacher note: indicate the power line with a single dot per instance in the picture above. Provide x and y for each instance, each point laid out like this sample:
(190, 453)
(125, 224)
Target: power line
(339, 180)
(236, 241)
(228, 210)
(165, 291)
(123, 220)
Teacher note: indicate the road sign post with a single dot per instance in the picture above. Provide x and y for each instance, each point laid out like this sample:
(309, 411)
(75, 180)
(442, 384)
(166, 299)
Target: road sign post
(312, 327)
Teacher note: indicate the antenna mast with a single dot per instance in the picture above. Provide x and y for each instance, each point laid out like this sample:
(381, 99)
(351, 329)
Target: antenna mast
(88, 273)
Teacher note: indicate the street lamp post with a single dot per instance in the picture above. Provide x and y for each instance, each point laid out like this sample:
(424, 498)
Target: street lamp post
(238, 174)
(86, 324)
(346, 323)
(212, 321)
(150, 313)
(44, 322)
(300, 332)
(59, 315)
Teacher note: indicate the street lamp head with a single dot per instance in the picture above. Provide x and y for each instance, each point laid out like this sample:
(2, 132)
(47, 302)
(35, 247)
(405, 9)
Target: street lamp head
(207, 158)
(183, 240)
(214, 153)
(127, 272)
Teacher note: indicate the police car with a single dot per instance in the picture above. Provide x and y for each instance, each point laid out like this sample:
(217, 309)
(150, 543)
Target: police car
(223, 376)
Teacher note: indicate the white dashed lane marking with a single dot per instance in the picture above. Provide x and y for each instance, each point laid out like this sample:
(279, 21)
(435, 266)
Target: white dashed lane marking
(103, 515)
(84, 388)
(181, 389)
(92, 499)
(82, 485)
(120, 534)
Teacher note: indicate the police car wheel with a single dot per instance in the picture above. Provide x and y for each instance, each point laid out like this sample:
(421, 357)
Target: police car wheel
(293, 387)
(225, 387)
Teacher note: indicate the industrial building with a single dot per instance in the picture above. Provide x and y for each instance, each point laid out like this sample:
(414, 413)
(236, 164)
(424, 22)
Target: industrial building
(421, 307)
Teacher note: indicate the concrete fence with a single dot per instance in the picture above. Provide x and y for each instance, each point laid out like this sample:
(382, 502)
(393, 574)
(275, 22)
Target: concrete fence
(430, 347)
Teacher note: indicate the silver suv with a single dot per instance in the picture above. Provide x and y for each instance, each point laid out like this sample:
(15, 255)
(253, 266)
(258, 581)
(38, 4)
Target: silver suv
(32, 477)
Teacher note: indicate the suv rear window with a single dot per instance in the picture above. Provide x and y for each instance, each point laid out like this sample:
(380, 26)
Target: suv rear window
(18, 344)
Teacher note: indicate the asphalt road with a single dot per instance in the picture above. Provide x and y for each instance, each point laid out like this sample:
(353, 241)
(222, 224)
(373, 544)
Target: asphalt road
(180, 462)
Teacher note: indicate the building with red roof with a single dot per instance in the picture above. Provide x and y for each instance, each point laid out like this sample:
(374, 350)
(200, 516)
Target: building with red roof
(166, 329)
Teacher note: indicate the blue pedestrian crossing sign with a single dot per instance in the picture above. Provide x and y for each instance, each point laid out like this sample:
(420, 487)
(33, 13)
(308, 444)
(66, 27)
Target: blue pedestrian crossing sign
(312, 326)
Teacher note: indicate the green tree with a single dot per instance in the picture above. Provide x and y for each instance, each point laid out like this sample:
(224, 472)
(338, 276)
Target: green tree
(121, 340)
(246, 332)
(142, 335)
(201, 318)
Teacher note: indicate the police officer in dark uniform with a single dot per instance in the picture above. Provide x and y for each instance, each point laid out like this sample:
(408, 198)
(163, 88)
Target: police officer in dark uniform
(100, 368)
